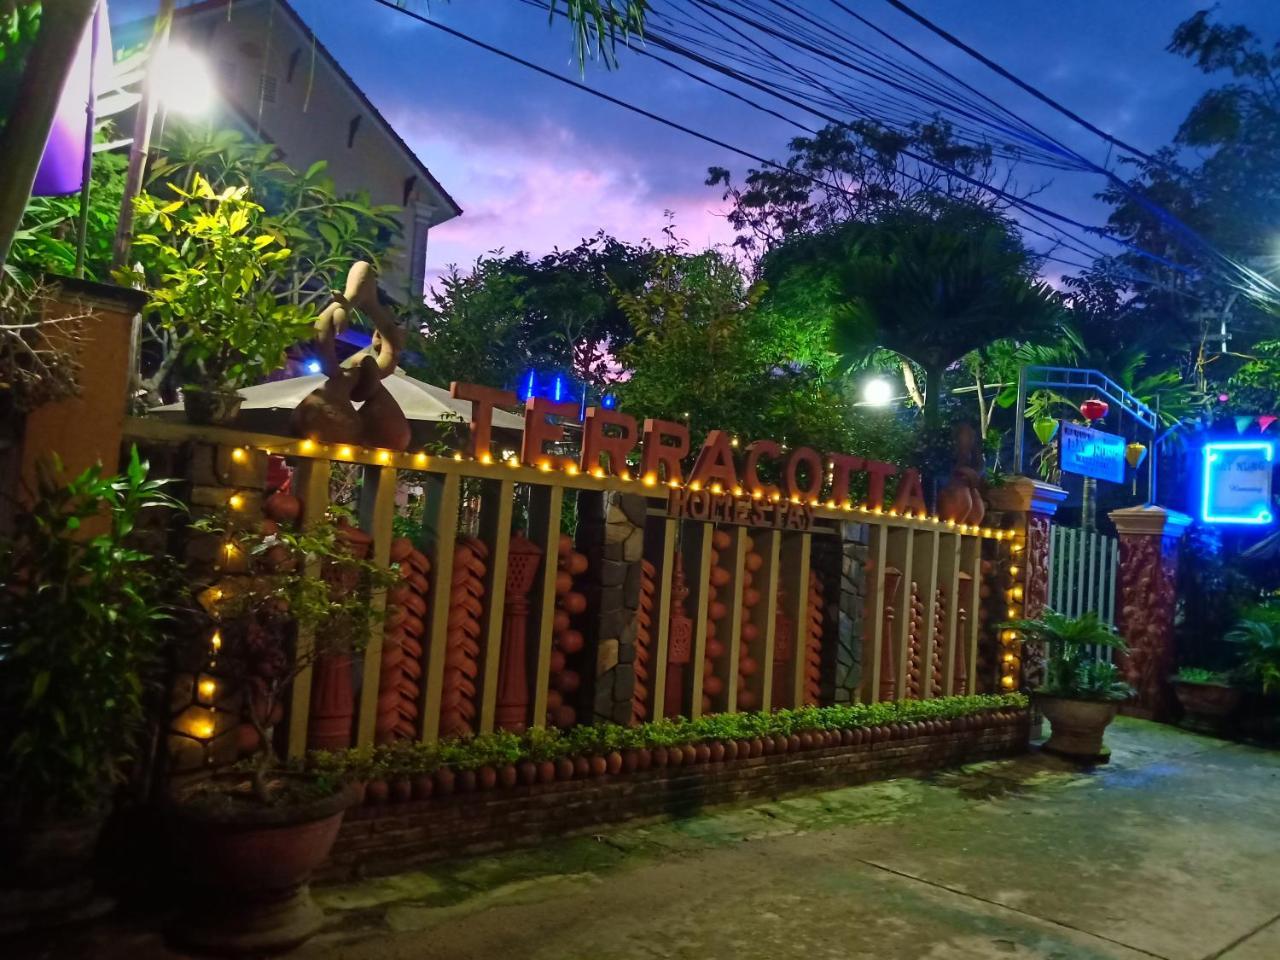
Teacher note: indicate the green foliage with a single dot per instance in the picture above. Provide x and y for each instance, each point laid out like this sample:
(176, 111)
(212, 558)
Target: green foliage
(1202, 676)
(81, 614)
(404, 759)
(1072, 668)
(705, 354)
(1259, 637)
(207, 270)
(19, 25)
(512, 313)
(930, 286)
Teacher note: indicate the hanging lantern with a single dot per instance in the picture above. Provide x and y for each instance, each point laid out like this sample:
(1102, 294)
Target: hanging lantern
(1134, 454)
(1243, 423)
(1094, 409)
(1266, 420)
(1045, 428)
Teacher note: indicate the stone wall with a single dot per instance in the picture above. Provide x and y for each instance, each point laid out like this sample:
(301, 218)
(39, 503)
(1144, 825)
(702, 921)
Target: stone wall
(611, 534)
(395, 836)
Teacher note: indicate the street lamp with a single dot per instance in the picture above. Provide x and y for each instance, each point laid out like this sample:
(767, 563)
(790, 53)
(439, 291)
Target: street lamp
(182, 81)
(877, 392)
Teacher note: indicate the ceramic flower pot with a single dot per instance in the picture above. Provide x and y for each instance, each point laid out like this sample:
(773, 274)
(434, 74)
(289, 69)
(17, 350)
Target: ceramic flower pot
(46, 869)
(1207, 707)
(247, 892)
(1077, 726)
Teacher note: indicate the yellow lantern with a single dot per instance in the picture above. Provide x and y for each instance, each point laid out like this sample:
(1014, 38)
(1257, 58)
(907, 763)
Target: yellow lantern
(1134, 454)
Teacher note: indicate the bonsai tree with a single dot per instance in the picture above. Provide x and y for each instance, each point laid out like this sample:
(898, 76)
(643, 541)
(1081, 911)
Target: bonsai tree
(206, 269)
(1081, 690)
(308, 583)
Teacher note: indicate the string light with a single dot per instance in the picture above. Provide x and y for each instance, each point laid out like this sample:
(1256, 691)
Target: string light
(650, 480)
(235, 501)
(458, 457)
(384, 456)
(486, 458)
(215, 641)
(239, 454)
(345, 453)
(203, 729)
(307, 446)
(208, 688)
(420, 459)
(571, 469)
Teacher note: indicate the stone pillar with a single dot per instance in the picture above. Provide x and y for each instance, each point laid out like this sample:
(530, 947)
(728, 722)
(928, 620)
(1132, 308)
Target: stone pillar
(611, 534)
(852, 601)
(1146, 598)
(1020, 569)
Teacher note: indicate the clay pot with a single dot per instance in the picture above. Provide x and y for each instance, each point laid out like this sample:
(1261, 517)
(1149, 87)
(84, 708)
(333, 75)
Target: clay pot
(1077, 726)
(527, 773)
(507, 776)
(730, 750)
(781, 743)
(581, 767)
(446, 781)
(630, 761)
(600, 766)
(702, 753)
(377, 792)
(402, 790)
(546, 771)
(716, 752)
(486, 778)
(467, 781)
(757, 747)
(644, 758)
(794, 743)
(690, 754)
(565, 768)
(361, 790)
(613, 762)
(1207, 707)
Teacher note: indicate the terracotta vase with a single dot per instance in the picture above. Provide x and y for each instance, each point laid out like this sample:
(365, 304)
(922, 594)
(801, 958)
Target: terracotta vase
(332, 703)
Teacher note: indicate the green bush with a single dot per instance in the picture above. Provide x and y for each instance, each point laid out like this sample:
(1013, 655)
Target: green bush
(407, 759)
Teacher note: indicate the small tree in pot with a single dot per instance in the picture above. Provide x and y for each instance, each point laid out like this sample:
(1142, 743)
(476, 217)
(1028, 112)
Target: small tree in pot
(251, 836)
(1081, 691)
(81, 613)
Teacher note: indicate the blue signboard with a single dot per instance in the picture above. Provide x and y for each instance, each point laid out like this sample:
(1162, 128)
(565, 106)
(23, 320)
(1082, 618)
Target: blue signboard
(1237, 481)
(1091, 453)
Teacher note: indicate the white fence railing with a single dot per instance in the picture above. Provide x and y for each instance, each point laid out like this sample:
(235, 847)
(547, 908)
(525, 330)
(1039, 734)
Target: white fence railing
(1083, 566)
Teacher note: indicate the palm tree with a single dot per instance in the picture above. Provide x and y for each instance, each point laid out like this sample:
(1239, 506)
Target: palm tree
(930, 286)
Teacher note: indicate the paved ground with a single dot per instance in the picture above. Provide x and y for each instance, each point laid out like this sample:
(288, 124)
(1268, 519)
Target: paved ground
(1172, 851)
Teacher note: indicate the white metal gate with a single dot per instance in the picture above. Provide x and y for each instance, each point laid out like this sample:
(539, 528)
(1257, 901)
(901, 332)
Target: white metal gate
(1083, 565)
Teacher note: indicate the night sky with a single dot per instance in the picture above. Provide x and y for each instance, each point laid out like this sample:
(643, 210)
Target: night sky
(536, 164)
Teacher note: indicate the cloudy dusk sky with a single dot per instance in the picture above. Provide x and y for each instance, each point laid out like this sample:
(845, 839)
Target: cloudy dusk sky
(536, 164)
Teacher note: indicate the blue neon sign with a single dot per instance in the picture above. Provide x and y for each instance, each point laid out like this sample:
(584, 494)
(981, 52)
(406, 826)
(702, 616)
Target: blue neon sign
(1237, 482)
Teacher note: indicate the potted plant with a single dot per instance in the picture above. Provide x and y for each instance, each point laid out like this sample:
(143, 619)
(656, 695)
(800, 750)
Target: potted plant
(251, 836)
(1081, 691)
(208, 269)
(80, 637)
(1258, 636)
(1208, 698)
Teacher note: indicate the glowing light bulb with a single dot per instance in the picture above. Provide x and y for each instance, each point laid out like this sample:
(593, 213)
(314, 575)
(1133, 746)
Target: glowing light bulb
(420, 459)
(486, 458)
(1013, 571)
(307, 446)
(239, 454)
(1007, 681)
(208, 688)
(345, 453)
(571, 469)
(202, 729)
(216, 640)
(183, 81)
(650, 480)
(235, 501)
(384, 456)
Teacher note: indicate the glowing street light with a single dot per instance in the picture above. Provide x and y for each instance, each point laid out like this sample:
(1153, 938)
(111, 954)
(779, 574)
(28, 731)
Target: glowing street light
(182, 81)
(878, 392)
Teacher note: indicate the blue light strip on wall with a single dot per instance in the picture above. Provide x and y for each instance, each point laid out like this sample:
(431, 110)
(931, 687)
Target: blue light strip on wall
(1212, 454)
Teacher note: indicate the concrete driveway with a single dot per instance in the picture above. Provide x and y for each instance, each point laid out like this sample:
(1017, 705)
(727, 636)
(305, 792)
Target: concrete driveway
(1172, 851)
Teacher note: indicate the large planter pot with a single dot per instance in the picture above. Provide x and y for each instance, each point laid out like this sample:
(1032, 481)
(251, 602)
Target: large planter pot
(45, 870)
(248, 867)
(210, 408)
(1207, 707)
(1077, 726)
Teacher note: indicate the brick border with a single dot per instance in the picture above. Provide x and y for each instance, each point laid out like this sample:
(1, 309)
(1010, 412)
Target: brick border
(395, 836)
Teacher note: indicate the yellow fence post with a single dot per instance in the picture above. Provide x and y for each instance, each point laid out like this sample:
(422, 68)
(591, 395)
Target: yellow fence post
(311, 484)
(545, 503)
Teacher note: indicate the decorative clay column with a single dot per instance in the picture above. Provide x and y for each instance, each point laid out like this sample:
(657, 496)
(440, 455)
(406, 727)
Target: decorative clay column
(1147, 595)
(1026, 508)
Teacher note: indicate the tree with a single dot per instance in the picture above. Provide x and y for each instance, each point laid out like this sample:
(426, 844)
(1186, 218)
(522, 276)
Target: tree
(858, 171)
(930, 286)
(513, 313)
(705, 354)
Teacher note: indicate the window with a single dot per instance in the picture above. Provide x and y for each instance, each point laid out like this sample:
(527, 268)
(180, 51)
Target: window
(418, 258)
(267, 84)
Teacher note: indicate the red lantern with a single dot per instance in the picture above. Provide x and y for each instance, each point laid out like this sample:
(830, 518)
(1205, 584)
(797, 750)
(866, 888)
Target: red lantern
(1094, 409)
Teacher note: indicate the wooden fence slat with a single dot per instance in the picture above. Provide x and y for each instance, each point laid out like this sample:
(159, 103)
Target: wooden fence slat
(497, 501)
(949, 548)
(769, 545)
(795, 588)
(545, 505)
(927, 550)
(974, 565)
(377, 511)
(440, 532)
(873, 634)
(665, 569)
(697, 559)
(901, 549)
(311, 484)
(736, 556)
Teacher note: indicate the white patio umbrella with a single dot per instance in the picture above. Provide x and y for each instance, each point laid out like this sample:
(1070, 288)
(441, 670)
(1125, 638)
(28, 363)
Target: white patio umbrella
(267, 406)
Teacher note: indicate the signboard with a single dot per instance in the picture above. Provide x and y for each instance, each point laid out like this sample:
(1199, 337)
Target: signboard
(1237, 482)
(1091, 453)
